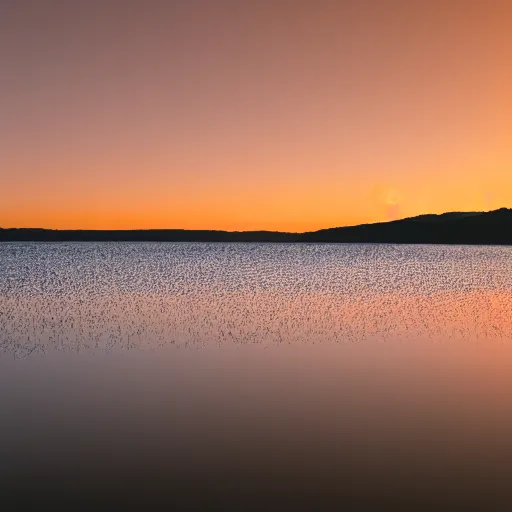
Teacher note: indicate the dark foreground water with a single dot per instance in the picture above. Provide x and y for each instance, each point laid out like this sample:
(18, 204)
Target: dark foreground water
(256, 375)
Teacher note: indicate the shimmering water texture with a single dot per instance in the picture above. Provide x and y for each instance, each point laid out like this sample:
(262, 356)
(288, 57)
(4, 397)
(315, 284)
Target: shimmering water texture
(237, 372)
(90, 297)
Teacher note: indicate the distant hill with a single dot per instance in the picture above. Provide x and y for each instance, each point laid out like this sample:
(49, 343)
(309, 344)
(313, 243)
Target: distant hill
(142, 235)
(494, 228)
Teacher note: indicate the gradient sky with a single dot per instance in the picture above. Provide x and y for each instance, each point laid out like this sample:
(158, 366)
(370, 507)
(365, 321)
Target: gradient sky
(265, 114)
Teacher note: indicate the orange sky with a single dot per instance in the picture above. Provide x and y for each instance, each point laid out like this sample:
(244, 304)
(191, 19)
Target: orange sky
(265, 114)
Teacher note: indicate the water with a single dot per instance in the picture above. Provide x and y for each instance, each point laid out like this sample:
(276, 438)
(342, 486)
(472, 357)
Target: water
(255, 369)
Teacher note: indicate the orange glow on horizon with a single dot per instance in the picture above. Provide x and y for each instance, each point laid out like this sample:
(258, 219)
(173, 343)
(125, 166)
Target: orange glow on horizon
(274, 116)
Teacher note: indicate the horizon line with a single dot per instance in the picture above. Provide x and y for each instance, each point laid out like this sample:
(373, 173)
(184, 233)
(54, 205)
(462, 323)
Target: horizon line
(252, 230)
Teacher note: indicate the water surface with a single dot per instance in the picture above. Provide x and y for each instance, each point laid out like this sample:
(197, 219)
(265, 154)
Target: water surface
(269, 369)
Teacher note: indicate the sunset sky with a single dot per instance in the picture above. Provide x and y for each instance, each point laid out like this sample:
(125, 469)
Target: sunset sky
(252, 114)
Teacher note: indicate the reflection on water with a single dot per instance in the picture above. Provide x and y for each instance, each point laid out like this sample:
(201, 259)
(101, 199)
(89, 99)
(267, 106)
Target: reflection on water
(304, 370)
(102, 296)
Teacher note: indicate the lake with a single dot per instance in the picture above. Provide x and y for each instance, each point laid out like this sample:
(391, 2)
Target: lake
(255, 372)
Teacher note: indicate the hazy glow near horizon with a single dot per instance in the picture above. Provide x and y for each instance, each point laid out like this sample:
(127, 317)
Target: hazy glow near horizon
(252, 115)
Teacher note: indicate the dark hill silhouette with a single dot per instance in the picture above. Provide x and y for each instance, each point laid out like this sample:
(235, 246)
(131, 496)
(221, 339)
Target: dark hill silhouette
(142, 235)
(493, 228)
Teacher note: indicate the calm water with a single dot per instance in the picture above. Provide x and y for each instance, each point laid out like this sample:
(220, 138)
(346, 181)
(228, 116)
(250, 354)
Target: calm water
(272, 370)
